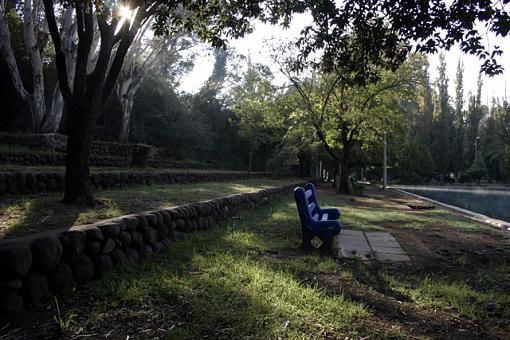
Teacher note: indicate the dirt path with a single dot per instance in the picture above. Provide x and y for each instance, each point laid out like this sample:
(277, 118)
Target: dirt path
(440, 249)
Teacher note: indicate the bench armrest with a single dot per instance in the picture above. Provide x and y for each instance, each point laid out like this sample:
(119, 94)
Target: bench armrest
(333, 213)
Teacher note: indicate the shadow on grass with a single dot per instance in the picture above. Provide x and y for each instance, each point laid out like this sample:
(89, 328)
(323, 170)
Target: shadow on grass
(255, 282)
(32, 213)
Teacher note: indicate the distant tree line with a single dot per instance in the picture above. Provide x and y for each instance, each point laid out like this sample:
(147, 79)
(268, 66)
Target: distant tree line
(87, 67)
(452, 137)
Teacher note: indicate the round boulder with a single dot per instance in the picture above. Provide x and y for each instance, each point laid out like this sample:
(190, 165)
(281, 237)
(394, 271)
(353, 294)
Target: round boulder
(11, 303)
(61, 278)
(10, 285)
(35, 286)
(92, 248)
(46, 253)
(73, 245)
(110, 229)
(117, 257)
(15, 260)
(125, 238)
(132, 255)
(108, 246)
(103, 264)
(150, 236)
(83, 269)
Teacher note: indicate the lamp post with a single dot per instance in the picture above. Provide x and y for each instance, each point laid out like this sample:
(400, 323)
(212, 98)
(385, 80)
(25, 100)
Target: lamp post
(476, 147)
(385, 163)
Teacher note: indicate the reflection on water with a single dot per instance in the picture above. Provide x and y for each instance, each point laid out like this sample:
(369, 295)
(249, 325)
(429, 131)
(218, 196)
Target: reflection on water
(494, 203)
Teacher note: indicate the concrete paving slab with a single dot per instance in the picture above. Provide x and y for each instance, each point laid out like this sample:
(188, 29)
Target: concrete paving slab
(354, 245)
(350, 232)
(393, 250)
(391, 257)
(375, 245)
(383, 243)
(378, 234)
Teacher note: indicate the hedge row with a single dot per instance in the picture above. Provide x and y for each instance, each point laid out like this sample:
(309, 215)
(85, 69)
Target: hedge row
(35, 265)
(37, 182)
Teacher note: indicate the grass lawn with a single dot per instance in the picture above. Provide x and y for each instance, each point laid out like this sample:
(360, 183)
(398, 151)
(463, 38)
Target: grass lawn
(31, 213)
(255, 282)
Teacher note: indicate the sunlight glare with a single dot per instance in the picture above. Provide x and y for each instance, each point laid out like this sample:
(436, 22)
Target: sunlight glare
(125, 13)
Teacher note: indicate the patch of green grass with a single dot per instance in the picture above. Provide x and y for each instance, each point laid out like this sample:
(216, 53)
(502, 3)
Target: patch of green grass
(255, 282)
(475, 304)
(36, 213)
(228, 285)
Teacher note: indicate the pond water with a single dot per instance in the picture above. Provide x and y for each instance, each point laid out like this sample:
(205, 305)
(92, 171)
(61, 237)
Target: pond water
(492, 202)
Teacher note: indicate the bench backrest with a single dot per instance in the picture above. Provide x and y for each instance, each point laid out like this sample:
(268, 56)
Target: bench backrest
(311, 196)
(302, 206)
(307, 206)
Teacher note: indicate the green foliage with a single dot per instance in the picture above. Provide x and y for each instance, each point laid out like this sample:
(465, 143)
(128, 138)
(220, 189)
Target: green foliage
(442, 123)
(476, 172)
(63, 322)
(414, 163)
(506, 162)
(254, 104)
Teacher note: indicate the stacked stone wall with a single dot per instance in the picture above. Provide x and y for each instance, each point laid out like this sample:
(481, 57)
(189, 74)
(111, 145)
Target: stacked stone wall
(39, 182)
(49, 149)
(36, 265)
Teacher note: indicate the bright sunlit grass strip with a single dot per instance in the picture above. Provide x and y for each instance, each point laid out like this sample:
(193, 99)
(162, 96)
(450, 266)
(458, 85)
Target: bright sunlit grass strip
(47, 212)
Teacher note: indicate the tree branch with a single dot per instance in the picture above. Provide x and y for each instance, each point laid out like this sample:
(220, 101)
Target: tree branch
(59, 53)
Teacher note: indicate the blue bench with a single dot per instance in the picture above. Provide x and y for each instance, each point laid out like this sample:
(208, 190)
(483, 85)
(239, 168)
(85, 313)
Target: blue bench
(316, 221)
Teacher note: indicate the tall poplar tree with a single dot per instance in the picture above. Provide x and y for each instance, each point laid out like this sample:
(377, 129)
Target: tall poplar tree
(426, 106)
(442, 124)
(474, 116)
(458, 142)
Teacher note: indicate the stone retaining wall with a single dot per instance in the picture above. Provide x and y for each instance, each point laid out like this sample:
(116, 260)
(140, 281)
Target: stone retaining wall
(50, 149)
(47, 158)
(36, 182)
(33, 266)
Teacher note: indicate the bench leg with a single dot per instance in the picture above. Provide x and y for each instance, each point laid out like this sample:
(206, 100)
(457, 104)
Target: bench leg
(327, 238)
(307, 240)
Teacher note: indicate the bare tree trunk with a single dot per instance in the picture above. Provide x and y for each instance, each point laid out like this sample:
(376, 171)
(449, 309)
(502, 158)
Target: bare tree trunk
(126, 103)
(52, 120)
(129, 81)
(37, 105)
(35, 100)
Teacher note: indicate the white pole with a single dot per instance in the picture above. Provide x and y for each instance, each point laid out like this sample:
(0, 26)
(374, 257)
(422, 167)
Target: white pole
(320, 169)
(385, 163)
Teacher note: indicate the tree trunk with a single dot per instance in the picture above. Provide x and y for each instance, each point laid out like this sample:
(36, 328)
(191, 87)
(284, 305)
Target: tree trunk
(344, 177)
(36, 103)
(127, 106)
(34, 100)
(52, 120)
(250, 161)
(77, 180)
